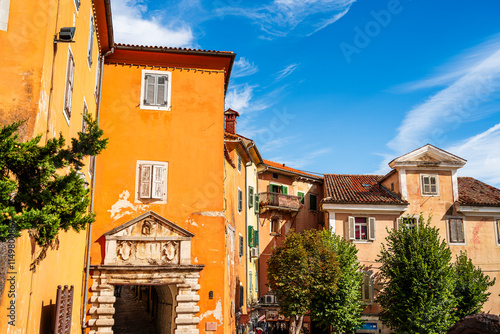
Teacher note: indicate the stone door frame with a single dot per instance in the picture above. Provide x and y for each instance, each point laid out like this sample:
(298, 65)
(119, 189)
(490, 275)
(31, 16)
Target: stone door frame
(184, 277)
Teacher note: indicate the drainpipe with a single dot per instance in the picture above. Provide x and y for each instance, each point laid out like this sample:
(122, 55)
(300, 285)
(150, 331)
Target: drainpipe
(89, 235)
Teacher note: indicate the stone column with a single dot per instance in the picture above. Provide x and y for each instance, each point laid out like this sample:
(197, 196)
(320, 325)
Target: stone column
(102, 309)
(187, 308)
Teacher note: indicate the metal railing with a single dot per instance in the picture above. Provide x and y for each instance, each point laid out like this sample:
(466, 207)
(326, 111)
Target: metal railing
(281, 201)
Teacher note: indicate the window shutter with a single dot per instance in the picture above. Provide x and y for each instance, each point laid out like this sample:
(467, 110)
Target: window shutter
(69, 85)
(456, 230)
(250, 197)
(145, 184)
(91, 40)
(161, 98)
(240, 200)
(460, 230)
(301, 196)
(351, 228)
(250, 236)
(398, 223)
(284, 190)
(371, 228)
(250, 281)
(498, 231)
(255, 238)
(158, 179)
(149, 90)
(256, 205)
(241, 246)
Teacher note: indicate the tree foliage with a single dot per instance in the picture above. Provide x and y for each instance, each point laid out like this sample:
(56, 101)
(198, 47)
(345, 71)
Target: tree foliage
(470, 287)
(40, 189)
(342, 308)
(304, 266)
(418, 280)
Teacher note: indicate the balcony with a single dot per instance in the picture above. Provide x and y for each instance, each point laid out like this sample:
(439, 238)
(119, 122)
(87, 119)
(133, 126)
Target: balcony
(277, 201)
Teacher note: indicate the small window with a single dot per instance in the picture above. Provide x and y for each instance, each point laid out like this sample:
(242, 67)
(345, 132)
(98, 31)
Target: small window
(456, 230)
(250, 236)
(497, 225)
(250, 281)
(256, 204)
(313, 202)
(97, 80)
(91, 41)
(155, 93)
(240, 200)
(367, 288)
(275, 226)
(408, 222)
(256, 282)
(68, 92)
(239, 163)
(429, 184)
(242, 245)
(250, 197)
(151, 181)
(84, 116)
(275, 176)
(301, 195)
(362, 228)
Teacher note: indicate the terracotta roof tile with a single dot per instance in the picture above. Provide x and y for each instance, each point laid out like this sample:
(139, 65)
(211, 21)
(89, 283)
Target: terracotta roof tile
(167, 48)
(475, 192)
(289, 169)
(342, 188)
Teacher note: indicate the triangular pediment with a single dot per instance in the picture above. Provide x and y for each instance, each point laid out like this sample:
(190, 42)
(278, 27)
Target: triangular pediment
(428, 156)
(148, 225)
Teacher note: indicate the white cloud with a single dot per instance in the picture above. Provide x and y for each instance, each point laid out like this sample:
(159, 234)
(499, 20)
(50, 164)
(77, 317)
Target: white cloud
(307, 159)
(131, 25)
(279, 17)
(243, 68)
(483, 156)
(451, 107)
(238, 97)
(287, 71)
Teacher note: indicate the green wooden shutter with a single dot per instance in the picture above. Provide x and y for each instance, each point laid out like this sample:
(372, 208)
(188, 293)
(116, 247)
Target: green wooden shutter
(250, 236)
(256, 238)
(250, 196)
(284, 190)
(256, 205)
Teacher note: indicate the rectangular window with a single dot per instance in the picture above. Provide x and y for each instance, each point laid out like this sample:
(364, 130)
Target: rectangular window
(250, 281)
(84, 115)
(250, 197)
(408, 222)
(92, 166)
(497, 225)
(256, 282)
(429, 184)
(362, 228)
(239, 163)
(4, 14)
(240, 200)
(77, 4)
(256, 204)
(250, 236)
(255, 238)
(156, 87)
(68, 92)
(241, 245)
(456, 230)
(367, 288)
(301, 195)
(275, 226)
(313, 202)
(97, 80)
(91, 41)
(275, 176)
(152, 180)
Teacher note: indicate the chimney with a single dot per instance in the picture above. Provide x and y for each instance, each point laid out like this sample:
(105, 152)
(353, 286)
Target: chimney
(230, 120)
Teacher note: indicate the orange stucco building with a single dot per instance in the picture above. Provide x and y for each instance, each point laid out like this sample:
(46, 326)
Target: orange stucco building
(49, 81)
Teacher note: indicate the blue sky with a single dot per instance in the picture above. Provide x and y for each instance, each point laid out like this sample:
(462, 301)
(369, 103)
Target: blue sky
(343, 86)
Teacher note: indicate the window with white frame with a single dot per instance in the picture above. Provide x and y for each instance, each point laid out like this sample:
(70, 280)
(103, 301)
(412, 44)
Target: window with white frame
(151, 181)
(4, 14)
(497, 227)
(361, 228)
(239, 163)
(155, 90)
(429, 184)
(256, 282)
(275, 226)
(250, 281)
(97, 80)
(91, 41)
(68, 92)
(240, 200)
(456, 230)
(367, 288)
(84, 116)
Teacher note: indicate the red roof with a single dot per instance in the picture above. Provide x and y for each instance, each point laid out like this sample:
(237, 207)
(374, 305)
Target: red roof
(289, 169)
(475, 192)
(342, 188)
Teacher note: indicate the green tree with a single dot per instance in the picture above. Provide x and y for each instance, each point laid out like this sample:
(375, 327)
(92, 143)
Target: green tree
(40, 188)
(341, 309)
(418, 280)
(304, 266)
(470, 287)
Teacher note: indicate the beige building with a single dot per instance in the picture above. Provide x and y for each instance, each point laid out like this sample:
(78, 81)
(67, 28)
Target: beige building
(363, 208)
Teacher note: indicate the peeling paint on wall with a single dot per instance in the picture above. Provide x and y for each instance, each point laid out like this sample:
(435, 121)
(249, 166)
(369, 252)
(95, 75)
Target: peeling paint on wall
(217, 313)
(475, 232)
(191, 222)
(124, 207)
(210, 213)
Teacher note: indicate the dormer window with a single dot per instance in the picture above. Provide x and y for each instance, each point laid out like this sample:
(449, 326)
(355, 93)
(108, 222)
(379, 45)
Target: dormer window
(429, 184)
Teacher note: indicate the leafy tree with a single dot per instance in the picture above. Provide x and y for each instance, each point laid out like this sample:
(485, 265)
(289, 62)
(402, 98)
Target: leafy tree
(418, 280)
(342, 308)
(470, 287)
(303, 267)
(40, 188)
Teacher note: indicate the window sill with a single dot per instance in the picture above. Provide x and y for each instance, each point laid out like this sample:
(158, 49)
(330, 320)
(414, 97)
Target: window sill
(363, 241)
(457, 243)
(143, 107)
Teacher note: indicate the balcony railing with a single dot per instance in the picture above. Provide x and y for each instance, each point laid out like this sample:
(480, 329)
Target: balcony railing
(279, 201)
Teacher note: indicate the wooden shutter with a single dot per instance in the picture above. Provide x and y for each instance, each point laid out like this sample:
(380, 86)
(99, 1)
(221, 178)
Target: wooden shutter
(256, 205)
(284, 190)
(149, 89)
(241, 246)
(255, 238)
(64, 310)
(498, 230)
(250, 196)
(250, 281)
(301, 196)
(371, 228)
(69, 85)
(250, 236)
(158, 181)
(352, 234)
(145, 181)
(456, 230)
(398, 223)
(91, 40)
(240, 200)
(161, 96)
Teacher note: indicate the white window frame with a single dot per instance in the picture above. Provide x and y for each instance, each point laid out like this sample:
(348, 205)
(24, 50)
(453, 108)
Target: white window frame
(367, 275)
(154, 164)
(168, 89)
(271, 231)
(371, 232)
(90, 47)
(250, 281)
(67, 116)
(4, 14)
(497, 230)
(448, 231)
(422, 188)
